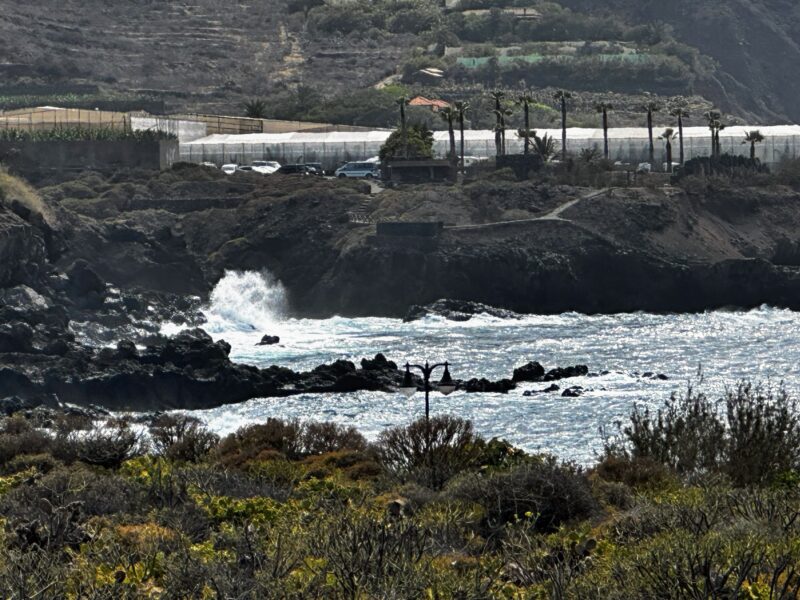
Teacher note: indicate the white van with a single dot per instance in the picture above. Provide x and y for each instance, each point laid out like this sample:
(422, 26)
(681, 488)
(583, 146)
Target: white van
(369, 170)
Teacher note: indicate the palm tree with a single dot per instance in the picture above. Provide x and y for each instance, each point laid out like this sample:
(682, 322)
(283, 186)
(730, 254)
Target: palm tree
(669, 135)
(402, 102)
(255, 109)
(715, 124)
(448, 115)
(753, 138)
(498, 96)
(461, 109)
(603, 108)
(545, 146)
(500, 131)
(526, 135)
(651, 106)
(562, 96)
(680, 111)
(526, 100)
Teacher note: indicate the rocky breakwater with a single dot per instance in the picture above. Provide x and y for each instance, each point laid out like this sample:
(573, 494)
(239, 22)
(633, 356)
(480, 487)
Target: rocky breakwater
(531, 372)
(187, 371)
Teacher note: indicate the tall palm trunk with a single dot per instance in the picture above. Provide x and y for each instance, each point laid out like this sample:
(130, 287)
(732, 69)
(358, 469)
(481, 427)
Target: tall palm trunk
(680, 135)
(451, 131)
(527, 127)
(669, 156)
(503, 133)
(563, 129)
(752, 149)
(498, 140)
(650, 135)
(404, 129)
(461, 127)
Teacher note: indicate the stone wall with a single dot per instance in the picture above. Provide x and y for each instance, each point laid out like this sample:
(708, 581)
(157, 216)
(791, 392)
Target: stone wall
(51, 157)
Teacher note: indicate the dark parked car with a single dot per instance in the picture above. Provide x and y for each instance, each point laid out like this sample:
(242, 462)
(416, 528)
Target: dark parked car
(293, 170)
(315, 168)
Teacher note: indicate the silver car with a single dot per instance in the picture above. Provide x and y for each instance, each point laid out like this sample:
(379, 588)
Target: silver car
(369, 170)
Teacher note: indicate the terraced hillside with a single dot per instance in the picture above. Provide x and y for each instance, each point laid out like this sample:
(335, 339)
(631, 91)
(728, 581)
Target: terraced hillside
(199, 55)
(306, 58)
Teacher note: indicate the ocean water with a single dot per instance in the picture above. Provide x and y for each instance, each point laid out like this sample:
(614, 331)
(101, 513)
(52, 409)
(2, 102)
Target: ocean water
(711, 350)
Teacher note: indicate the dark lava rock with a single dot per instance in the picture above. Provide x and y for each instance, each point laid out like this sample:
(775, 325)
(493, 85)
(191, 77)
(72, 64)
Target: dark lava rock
(126, 350)
(484, 385)
(58, 347)
(11, 405)
(269, 340)
(661, 376)
(573, 392)
(83, 281)
(547, 390)
(457, 310)
(16, 337)
(566, 372)
(378, 363)
(533, 371)
(191, 348)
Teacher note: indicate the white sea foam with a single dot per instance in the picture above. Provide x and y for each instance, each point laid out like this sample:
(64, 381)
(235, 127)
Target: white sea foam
(246, 301)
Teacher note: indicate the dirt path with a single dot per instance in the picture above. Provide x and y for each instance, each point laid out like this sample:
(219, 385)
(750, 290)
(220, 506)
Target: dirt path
(553, 215)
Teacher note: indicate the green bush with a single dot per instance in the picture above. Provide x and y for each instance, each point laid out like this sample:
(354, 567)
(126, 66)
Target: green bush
(543, 491)
(751, 434)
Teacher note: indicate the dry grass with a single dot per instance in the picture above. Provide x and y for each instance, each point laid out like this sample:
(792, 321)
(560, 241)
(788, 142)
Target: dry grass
(14, 188)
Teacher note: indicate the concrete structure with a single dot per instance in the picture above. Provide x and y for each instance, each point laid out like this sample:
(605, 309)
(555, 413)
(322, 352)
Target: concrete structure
(57, 156)
(629, 145)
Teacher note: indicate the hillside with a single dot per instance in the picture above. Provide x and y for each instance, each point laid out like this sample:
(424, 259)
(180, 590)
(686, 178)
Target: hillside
(323, 60)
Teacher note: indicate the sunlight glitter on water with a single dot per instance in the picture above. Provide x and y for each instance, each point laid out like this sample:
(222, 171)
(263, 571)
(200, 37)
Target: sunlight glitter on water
(729, 345)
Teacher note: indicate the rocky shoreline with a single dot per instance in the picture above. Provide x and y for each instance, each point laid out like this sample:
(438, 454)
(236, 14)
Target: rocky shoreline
(80, 262)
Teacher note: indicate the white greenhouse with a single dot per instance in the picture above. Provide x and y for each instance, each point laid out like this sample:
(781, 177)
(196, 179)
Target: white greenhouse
(629, 145)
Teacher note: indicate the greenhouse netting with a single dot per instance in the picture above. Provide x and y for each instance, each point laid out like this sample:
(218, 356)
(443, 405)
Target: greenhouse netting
(628, 145)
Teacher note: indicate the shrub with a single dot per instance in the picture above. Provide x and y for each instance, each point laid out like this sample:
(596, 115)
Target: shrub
(249, 442)
(429, 452)
(545, 491)
(107, 445)
(18, 438)
(319, 438)
(752, 434)
(181, 437)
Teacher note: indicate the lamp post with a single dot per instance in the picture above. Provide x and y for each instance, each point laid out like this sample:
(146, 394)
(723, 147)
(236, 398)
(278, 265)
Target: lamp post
(446, 385)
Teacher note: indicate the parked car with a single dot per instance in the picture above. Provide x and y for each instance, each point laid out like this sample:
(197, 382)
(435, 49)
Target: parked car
(209, 165)
(229, 169)
(245, 168)
(265, 167)
(315, 168)
(293, 170)
(359, 169)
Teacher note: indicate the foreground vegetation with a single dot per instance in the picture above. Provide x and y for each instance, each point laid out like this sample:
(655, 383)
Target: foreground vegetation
(698, 500)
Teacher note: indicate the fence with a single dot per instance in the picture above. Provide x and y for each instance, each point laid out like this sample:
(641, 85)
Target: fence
(226, 125)
(46, 118)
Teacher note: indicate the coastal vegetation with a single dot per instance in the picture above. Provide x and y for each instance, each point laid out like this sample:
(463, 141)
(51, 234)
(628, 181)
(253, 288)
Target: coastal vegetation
(678, 505)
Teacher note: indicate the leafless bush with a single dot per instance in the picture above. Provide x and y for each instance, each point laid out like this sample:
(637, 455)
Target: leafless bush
(429, 452)
(106, 445)
(182, 438)
(319, 438)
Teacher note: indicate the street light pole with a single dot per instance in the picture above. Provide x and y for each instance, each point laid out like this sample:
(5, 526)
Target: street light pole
(446, 386)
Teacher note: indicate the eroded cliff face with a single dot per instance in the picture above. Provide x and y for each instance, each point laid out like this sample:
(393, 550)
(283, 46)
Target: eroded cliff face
(528, 246)
(22, 249)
